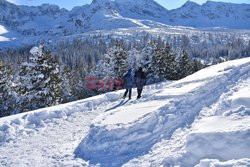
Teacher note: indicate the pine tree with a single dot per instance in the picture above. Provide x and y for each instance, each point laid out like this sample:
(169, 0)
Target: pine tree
(164, 63)
(133, 56)
(159, 64)
(77, 84)
(196, 66)
(40, 81)
(184, 65)
(248, 49)
(3, 80)
(120, 61)
(7, 96)
(114, 64)
(105, 67)
(171, 67)
(66, 86)
(145, 60)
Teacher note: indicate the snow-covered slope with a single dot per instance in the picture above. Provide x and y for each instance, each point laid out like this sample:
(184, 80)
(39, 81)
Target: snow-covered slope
(49, 21)
(141, 9)
(211, 14)
(201, 120)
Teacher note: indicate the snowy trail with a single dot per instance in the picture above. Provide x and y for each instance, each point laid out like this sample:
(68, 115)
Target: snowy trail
(212, 121)
(111, 143)
(157, 130)
(48, 137)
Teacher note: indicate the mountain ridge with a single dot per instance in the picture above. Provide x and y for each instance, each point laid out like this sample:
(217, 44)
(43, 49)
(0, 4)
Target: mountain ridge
(50, 20)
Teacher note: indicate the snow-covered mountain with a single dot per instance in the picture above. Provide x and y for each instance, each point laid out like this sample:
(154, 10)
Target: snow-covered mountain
(48, 21)
(211, 14)
(44, 19)
(202, 120)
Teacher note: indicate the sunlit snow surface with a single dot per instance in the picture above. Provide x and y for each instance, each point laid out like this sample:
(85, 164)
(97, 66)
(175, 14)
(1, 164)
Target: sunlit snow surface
(2, 32)
(202, 120)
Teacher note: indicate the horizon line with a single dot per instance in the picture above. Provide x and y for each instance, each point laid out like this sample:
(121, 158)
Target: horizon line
(200, 4)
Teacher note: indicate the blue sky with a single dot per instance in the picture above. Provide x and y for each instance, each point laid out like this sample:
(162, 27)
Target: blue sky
(69, 4)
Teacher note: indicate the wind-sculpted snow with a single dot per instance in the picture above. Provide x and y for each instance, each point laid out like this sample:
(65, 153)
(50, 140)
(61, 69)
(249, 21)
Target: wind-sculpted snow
(113, 142)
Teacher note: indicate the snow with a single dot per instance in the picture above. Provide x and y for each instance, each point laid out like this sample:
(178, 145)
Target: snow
(3, 31)
(217, 163)
(224, 145)
(202, 120)
(36, 51)
(50, 22)
(128, 114)
(8, 37)
(220, 124)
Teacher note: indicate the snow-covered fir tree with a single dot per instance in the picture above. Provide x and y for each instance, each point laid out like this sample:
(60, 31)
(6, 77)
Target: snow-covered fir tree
(146, 57)
(40, 83)
(120, 60)
(66, 86)
(7, 96)
(196, 66)
(114, 63)
(133, 58)
(105, 67)
(184, 65)
(164, 63)
(77, 84)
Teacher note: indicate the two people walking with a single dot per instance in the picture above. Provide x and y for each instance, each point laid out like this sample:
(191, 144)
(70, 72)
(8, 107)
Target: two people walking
(139, 79)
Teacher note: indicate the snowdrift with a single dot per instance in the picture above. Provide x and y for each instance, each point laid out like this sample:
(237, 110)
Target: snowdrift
(12, 126)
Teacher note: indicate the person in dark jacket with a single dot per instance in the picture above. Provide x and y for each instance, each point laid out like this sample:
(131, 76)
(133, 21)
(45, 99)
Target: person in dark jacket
(140, 79)
(128, 83)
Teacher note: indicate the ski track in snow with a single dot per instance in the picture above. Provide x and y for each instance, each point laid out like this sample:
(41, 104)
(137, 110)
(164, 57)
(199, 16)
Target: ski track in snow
(171, 125)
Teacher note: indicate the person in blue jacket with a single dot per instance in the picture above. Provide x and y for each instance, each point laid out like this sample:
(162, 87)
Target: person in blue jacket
(128, 83)
(140, 79)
